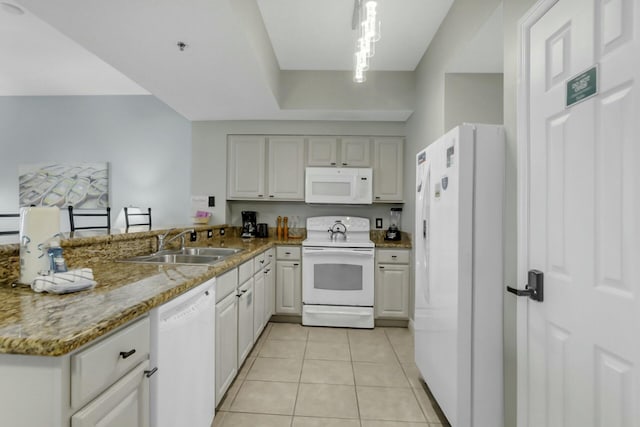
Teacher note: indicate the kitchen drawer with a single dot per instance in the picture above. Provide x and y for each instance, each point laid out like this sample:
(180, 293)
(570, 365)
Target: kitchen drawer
(392, 256)
(245, 271)
(226, 284)
(288, 253)
(269, 256)
(102, 364)
(259, 262)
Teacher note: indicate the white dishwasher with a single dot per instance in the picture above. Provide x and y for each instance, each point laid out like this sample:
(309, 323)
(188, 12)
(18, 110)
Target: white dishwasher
(183, 349)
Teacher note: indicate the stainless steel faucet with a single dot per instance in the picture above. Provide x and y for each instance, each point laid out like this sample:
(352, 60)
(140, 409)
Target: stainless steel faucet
(162, 238)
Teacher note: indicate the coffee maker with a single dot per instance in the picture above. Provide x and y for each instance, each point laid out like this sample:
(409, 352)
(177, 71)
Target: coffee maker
(248, 224)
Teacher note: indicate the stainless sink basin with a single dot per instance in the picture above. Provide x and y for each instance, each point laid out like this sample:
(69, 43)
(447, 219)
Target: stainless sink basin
(219, 252)
(191, 256)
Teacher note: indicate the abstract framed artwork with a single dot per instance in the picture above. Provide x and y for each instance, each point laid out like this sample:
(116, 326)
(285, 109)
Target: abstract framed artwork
(81, 185)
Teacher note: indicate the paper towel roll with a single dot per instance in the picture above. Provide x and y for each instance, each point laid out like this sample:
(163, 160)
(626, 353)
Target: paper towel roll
(38, 226)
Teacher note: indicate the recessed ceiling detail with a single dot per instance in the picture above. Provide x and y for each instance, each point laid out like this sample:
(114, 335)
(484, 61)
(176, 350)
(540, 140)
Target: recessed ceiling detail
(246, 59)
(312, 35)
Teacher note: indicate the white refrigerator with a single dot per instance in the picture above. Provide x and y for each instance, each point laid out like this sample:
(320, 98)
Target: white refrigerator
(458, 273)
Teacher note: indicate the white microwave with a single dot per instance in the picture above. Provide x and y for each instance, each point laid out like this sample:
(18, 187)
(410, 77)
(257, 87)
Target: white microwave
(351, 186)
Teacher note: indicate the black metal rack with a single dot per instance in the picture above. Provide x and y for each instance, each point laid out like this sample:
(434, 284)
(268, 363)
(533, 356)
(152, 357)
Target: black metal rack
(9, 232)
(75, 213)
(137, 214)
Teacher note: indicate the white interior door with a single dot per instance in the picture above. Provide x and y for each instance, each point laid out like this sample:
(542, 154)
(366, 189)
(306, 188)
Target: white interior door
(579, 354)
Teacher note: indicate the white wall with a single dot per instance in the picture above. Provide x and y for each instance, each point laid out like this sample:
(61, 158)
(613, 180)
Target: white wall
(209, 161)
(147, 145)
(472, 98)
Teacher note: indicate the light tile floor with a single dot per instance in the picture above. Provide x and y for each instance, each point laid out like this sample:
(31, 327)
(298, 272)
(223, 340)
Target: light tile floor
(299, 376)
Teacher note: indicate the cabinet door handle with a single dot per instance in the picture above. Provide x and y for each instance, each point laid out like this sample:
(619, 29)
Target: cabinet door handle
(381, 267)
(261, 261)
(377, 197)
(333, 163)
(260, 195)
(150, 372)
(125, 354)
(296, 264)
(271, 195)
(344, 164)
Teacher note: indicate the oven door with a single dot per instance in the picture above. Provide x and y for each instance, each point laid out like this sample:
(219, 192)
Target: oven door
(338, 276)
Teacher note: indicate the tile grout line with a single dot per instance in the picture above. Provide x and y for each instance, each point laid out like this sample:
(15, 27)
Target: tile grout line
(295, 403)
(353, 373)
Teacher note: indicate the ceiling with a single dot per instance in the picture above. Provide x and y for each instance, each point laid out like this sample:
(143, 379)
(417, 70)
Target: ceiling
(245, 59)
(308, 37)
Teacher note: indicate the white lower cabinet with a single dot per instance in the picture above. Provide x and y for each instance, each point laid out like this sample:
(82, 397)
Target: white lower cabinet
(245, 320)
(269, 291)
(288, 288)
(104, 383)
(288, 281)
(258, 304)
(124, 404)
(226, 343)
(392, 284)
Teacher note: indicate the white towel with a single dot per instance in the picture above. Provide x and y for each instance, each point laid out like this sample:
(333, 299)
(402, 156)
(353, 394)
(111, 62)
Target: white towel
(62, 283)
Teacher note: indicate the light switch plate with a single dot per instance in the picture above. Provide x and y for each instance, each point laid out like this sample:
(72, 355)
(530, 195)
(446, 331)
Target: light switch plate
(378, 222)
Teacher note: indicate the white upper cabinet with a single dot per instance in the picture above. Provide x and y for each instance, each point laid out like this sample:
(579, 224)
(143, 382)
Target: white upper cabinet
(322, 151)
(272, 167)
(246, 167)
(251, 156)
(387, 169)
(286, 168)
(355, 151)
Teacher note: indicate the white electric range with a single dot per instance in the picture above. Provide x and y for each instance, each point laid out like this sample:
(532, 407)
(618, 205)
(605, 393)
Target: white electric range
(338, 266)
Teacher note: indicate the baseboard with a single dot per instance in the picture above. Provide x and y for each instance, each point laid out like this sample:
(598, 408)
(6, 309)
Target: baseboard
(391, 323)
(285, 318)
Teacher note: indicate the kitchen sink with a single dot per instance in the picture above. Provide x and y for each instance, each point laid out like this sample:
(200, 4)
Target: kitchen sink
(219, 252)
(190, 256)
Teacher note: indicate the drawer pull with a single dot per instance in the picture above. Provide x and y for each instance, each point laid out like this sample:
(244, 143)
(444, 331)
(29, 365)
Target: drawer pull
(125, 354)
(381, 267)
(394, 256)
(150, 372)
(261, 261)
(287, 253)
(296, 264)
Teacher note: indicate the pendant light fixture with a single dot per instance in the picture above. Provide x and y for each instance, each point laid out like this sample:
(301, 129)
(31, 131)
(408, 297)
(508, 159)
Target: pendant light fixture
(366, 22)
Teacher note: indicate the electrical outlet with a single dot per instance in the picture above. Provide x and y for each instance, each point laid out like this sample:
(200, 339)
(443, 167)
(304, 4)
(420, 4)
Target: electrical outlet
(378, 222)
(222, 231)
(193, 236)
(209, 234)
(212, 201)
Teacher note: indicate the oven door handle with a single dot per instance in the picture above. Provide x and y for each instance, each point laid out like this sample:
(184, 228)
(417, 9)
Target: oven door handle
(345, 252)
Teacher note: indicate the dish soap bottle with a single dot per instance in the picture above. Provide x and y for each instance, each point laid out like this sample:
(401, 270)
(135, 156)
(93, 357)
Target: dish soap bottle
(56, 260)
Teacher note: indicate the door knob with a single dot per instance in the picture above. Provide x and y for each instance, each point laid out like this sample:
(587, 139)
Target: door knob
(534, 289)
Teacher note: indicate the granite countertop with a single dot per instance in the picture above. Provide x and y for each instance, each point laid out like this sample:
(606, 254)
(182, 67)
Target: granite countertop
(54, 325)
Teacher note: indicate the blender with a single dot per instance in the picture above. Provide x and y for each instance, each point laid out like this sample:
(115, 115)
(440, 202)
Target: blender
(393, 232)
